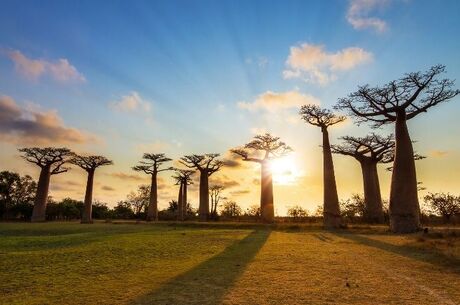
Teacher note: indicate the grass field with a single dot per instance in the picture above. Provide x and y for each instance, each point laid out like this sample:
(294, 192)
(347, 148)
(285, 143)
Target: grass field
(69, 263)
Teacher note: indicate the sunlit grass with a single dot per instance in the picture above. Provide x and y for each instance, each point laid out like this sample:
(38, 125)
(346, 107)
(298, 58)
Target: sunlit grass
(69, 263)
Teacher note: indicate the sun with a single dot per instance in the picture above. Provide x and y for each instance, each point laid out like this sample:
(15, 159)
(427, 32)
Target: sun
(284, 170)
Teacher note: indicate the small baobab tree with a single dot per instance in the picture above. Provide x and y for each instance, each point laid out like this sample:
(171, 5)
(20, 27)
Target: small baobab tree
(396, 102)
(262, 149)
(151, 165)
(89, 164)
(51, 161)
(369, 151)
(183, 179)
(323, 118)
(206, 164)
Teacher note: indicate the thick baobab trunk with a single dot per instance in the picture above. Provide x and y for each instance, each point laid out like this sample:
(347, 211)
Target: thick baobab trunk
(373, 211)
(180, 202)
(404, 205)
(41, 197)
(204, 196)
(266, 194)
(88, 208)
(331, 209)
(152, 210)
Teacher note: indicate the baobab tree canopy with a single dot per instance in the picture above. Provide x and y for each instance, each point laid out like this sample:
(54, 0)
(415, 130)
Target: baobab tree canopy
(262, 149)
(373, 146)
(412, 94)
(151, 163)
(51, 157)
(90, 163)
(321, 117)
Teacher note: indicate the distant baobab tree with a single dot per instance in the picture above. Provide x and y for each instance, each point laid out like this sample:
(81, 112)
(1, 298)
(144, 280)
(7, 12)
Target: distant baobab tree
(369, 151)
(151, 165)
(206, 164)
(262, 149)
(324, 118)
(183, 178)
(89, 164)
(51, 161)
(396, 102)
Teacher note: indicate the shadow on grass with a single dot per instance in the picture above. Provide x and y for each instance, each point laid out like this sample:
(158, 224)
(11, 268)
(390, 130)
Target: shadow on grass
(208, 282)
(424, 255)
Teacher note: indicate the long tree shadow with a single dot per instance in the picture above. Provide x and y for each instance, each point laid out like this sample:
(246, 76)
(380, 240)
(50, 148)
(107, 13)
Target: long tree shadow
(208, 282)
(424, 255)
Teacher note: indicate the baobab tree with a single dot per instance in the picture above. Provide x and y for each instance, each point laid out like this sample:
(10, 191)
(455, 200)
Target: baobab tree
(396, 102)
(206, 164)
(151, 165)
(323, 118)
(369, 151)
(183, 178)
(262, 149)
(51, 161)
(89, 164)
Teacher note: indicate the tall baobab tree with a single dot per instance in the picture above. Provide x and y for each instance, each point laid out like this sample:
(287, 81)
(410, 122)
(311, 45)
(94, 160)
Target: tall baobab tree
(369, 151)
(262, 149)
(396, 102)
(89, 164)
(183, 178)
(151, 165)
(206, 164)
(51, 161)
(323, 118)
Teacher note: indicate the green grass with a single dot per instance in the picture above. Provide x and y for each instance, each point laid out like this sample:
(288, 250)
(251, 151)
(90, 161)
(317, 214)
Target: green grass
(127, 263)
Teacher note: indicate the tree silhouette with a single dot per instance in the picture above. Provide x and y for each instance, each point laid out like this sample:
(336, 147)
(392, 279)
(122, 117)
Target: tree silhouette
(89, 164)
(183, 178)
(151, 165)
(206, 164)
(369, 151)
(262, 149)
(324, 118)
(215, 195)
(51, 161)
(396, 102)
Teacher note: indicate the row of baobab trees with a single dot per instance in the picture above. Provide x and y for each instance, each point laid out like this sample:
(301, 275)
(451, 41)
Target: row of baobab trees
(393, 103)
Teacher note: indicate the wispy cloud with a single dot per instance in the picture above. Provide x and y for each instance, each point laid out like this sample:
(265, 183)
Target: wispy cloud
(358, 15)
(438, 153)
(131, 102)
(274, 101)
(60, 70)
(30, 125)
(312, 63)
(125, 176)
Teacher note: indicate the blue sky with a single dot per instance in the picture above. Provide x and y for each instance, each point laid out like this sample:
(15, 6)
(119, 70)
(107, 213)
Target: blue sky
(187, 64)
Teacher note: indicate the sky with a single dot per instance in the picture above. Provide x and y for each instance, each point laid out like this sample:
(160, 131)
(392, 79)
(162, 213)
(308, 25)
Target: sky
(121, 78)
